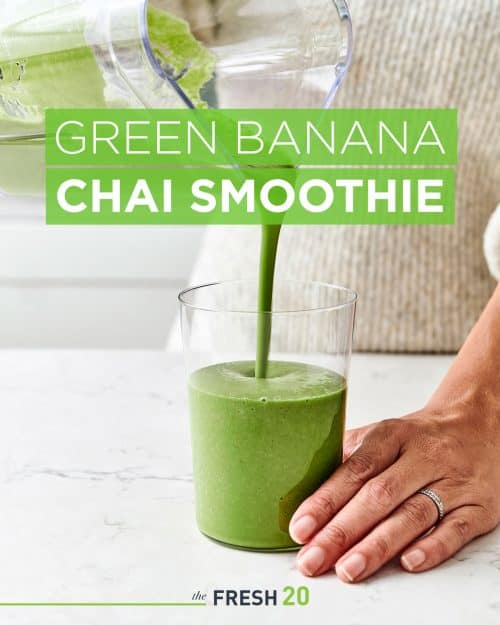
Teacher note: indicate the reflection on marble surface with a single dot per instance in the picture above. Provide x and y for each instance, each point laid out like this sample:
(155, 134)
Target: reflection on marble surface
(97, 503)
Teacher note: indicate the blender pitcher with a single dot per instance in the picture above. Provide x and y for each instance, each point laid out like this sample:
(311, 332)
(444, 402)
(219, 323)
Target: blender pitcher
(158, 54)
(70, 54)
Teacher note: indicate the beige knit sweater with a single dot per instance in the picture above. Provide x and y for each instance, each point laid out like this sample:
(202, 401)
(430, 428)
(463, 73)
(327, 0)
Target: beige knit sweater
(421, 287)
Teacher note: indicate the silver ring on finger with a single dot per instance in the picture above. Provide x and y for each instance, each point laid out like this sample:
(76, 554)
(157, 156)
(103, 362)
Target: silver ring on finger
(436, 499)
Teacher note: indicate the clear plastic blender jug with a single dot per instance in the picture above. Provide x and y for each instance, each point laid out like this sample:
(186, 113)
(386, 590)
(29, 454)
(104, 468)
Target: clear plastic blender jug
(158, 54)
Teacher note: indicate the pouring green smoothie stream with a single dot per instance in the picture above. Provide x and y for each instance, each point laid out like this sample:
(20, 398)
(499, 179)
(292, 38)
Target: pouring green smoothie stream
(265, 433)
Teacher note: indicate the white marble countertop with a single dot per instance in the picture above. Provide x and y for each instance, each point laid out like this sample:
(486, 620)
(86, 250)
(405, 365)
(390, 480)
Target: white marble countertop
(97, 504)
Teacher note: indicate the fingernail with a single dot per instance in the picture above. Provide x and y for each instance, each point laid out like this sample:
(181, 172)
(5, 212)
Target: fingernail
(303, 528)
(353, 566)
(413, 559)
(312, 560)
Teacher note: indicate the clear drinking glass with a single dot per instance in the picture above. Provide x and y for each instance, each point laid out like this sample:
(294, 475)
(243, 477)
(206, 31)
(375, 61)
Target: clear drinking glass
(261, 446)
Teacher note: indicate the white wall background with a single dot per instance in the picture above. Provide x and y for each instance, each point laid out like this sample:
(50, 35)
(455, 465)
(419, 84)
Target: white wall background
(84, 287)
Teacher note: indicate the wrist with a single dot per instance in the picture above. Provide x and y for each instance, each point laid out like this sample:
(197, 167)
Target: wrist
(473, 404)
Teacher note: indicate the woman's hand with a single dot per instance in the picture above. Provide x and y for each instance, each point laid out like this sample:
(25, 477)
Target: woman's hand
(368, 511)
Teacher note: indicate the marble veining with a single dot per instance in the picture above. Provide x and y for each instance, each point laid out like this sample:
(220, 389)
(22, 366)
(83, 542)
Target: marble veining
(97, 503)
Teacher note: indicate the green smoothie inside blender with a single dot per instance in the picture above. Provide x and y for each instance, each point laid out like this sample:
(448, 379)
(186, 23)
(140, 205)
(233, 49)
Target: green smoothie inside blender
(43, 65)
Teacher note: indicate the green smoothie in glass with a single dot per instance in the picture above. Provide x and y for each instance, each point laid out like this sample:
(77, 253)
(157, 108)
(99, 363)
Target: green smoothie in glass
(265, 434)
(261, 446)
